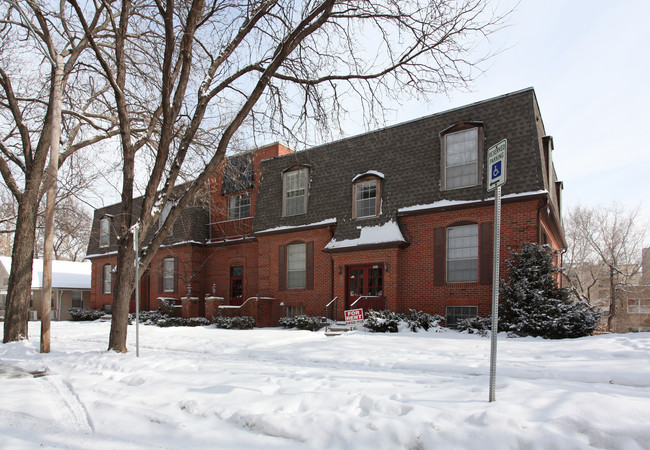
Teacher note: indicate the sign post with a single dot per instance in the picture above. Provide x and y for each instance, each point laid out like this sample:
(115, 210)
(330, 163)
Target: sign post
(137, 290)
(496, 178)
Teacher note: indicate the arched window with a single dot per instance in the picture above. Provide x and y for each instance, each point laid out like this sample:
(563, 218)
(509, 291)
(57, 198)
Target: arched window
(366, 198)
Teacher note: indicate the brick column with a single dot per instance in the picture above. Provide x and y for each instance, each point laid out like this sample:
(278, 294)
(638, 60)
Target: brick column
(211, 306)
(190, 307)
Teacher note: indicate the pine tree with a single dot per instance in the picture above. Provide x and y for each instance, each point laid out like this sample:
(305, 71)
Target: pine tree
(532, 303)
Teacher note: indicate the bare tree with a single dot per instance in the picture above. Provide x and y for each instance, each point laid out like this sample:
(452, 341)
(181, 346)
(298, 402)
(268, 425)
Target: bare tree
(26, 109)
(202, 74)
(605, 243)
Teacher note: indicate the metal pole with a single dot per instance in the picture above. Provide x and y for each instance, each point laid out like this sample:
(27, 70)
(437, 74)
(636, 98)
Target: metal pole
(495, 291)
(137, 292)
(52, 174)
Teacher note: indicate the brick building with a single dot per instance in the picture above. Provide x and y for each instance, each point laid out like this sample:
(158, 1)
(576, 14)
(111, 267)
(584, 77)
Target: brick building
(397, 218)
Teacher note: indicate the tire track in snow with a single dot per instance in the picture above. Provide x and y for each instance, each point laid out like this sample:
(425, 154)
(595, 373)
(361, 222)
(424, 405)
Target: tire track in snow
(71, 411)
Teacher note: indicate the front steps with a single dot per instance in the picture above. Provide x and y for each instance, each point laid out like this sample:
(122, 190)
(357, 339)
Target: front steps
(337, 329)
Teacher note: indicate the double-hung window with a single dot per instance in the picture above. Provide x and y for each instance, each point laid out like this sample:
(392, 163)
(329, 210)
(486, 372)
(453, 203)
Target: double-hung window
(107, 277)
(295, 192)
(104, 232)
(239, 206)
(462, 254)
(461, 152)
(168, 274)
(296, 266)
(365, 198)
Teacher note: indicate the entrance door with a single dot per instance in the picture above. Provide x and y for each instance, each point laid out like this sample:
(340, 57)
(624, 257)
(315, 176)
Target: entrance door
(368, 282)
(236, 285)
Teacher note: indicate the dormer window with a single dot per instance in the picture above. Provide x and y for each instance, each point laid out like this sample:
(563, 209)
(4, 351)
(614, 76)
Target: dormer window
(462, 157)
(104, 232)
(163, 216)
(366, 200)
(294, 192)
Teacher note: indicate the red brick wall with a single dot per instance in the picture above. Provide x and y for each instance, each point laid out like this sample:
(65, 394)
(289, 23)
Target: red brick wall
(97, 298)
(314, 300)
(408, 272)
(217, 269)
(220, 227)
(416, 262)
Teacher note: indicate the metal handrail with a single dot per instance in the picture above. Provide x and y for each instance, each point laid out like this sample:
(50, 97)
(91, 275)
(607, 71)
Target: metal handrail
(360, 297)
(331, 301)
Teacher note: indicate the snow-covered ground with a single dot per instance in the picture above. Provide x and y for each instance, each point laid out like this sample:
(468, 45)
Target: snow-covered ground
(275, 388)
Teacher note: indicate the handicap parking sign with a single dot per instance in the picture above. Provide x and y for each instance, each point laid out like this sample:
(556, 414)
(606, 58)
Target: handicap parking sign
(497, 165)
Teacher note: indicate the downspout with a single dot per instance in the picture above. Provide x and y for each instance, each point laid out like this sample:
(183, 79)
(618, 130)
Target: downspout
(330, 228)
(544, 203)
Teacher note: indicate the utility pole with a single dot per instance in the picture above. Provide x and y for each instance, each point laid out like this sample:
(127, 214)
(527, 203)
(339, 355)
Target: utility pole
(52, 175)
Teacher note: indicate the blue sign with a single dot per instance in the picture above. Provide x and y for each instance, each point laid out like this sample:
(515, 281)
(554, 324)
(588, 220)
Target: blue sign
(497, 165)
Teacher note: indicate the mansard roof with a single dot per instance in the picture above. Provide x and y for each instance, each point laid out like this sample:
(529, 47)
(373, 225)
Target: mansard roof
(191, 226)
(408, 156)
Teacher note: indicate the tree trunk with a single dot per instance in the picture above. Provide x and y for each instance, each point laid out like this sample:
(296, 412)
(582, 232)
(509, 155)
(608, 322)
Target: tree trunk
(612, 299)
(20, 277)
(124, 285)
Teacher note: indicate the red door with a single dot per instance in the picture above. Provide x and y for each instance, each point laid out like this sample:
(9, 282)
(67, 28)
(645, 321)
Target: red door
(236, 285)
(366, 284)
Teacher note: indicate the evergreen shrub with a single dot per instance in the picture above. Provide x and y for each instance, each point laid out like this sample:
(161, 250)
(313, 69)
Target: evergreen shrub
(84, 314)
(532, 303)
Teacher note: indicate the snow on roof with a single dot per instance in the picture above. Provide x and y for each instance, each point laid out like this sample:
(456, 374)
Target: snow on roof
(293, 227)
(65, 274)
(378, 234)
(369, 172)
(443, 203)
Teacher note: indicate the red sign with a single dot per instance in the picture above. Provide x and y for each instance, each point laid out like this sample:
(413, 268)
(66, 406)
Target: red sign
(354, 317)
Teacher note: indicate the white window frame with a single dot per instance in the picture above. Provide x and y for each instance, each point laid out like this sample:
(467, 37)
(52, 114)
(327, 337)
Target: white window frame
(462, 248)
(457, 158)
(107, 279)
(297, 266)
(168, 274)
(295, 188)
(641, 306)
(238, 208)
(104, 232)
(362, 205)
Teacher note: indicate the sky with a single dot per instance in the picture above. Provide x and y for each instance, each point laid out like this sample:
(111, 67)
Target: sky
(588, 62)
(271, 388)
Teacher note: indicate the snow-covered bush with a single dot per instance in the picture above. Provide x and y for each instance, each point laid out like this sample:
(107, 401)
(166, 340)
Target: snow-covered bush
(148, 317)
(243, 322)
(418, 319)
(80, 314)
(239, 322)
(287, 322)
(532, 303)
(171, 322)
(475, 325)
(197, 322)
(382, 321)
(392, 322)
(303, 322)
